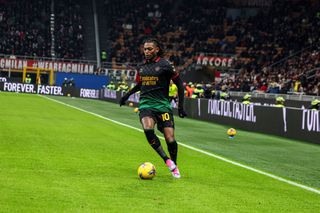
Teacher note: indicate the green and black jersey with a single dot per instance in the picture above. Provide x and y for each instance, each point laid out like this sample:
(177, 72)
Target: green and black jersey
(154, 78)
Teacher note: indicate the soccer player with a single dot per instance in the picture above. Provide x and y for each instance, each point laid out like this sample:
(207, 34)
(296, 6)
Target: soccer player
(153, 81)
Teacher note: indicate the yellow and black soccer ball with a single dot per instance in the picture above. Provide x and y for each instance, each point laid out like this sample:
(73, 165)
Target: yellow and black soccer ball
(147, 171)
(231, 132)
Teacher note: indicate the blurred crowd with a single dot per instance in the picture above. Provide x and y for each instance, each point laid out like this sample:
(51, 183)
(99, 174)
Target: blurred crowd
(68, 30)
(277, 49)
(25, 28)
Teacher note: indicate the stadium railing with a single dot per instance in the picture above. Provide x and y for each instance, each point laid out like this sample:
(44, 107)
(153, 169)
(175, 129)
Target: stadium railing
(291, 96)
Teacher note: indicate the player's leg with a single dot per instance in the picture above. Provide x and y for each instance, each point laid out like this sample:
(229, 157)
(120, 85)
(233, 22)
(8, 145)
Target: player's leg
(166, 126)
(148, 123)
(171, 143)
(173, 150)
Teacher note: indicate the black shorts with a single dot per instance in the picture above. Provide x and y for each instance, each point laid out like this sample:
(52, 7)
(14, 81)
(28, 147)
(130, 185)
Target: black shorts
(162, 119)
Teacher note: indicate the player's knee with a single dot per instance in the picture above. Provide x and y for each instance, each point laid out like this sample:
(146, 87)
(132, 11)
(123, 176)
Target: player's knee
(151, 137)
(169, 138)
(169, 134)
(171, 141)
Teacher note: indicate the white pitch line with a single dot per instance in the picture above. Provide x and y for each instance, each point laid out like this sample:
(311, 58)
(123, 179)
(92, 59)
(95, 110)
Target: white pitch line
(198, 150)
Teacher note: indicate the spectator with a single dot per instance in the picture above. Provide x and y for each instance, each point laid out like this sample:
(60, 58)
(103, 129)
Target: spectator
(111, 86)
(25, 28)
(315, 104)
(173, 92)
(246, 99)
(279, 102)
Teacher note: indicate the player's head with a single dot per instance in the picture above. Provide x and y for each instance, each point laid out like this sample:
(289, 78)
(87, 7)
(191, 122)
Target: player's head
(152, 48)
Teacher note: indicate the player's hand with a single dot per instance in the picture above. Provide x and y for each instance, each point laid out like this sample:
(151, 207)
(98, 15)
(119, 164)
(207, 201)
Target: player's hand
(123, 100)
(182, 113)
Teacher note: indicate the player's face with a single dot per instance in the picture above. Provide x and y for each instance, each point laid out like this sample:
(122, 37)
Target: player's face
(150, 50)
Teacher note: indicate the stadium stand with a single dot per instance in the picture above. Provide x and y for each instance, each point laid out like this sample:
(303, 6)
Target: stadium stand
(25, 28)
(276, 48)
(69, 30)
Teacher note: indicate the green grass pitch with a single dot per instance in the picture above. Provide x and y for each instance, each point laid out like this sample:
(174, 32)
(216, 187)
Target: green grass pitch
(54, 158)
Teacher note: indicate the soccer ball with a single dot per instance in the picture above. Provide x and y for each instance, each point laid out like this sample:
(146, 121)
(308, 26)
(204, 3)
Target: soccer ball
(131, 104)
(136, 110)
(147, 171)
(231, 132)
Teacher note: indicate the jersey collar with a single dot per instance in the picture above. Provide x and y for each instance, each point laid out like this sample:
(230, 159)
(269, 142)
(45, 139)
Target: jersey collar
(157, 59)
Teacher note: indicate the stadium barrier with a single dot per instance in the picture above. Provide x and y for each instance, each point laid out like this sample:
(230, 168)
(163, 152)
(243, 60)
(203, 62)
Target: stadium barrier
(300, 124)
(82, 80)
(271, 102)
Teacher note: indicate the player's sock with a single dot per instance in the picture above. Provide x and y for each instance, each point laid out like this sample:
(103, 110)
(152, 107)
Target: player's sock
(173, 150)
(155, 143)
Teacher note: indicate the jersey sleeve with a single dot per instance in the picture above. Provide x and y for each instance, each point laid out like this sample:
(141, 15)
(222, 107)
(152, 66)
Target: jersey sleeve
(172, 70)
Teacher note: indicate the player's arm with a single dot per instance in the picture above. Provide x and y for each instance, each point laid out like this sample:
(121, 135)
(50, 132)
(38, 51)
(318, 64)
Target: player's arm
(178, 82)
(124, 98)
(135, 89)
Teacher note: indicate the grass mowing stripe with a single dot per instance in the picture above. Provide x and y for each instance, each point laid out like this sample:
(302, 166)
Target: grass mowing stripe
(253, 169)
(198, 150)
